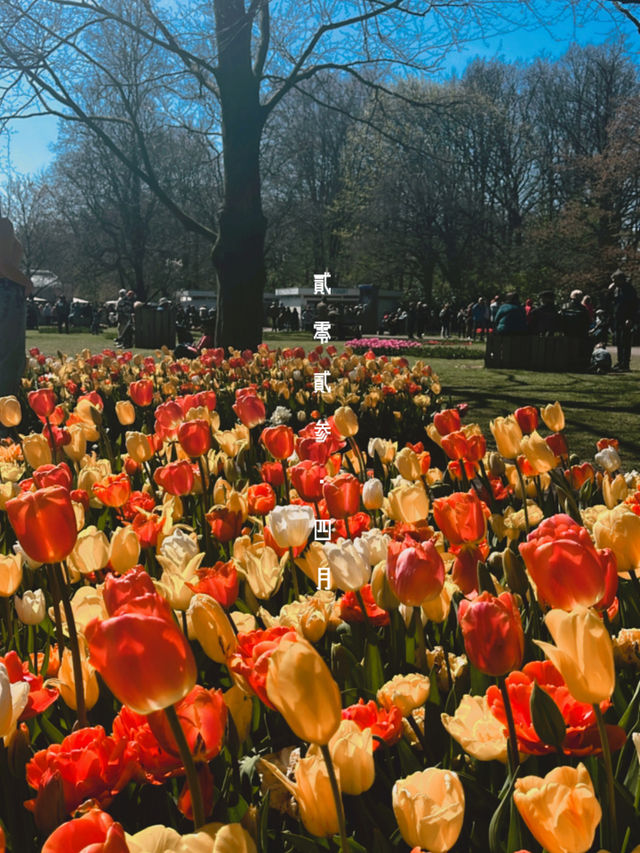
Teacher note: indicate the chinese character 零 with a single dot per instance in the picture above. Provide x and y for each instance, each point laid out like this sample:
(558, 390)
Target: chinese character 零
(322, 430)
(320, 382)
(321, 331)
(324, 576)
(322, 528)
(320, 283)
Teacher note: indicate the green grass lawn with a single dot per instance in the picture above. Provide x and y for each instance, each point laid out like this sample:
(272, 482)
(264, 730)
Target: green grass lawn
(595, 406)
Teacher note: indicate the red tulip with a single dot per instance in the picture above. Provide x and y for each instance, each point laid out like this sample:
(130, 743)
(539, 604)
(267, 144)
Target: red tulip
(195, 437)
(143, 657)
(261, 499)
(113, 491)
(250, 660)
(415, 571)
(582, 736)
(154, 763)
(169, 416)
(44, 522)
(558, 444)
(87, 764)
(460, 517)
(53, 475)
(492, 632)
(249, 408)
(219, 581)
(123, 590)
(94, 831)
(203, 716)
(447, 421)
(307, 478)
(566, 567)
(141, 392)
(278, 440)
(342, 494)
(43, 402)
(385, 725)
(147, 526)
(527, 418)
(272, 473)
(225, 523)
(176, 478)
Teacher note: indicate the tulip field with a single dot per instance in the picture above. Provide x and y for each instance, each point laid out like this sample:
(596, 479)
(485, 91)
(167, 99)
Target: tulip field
(239, 614)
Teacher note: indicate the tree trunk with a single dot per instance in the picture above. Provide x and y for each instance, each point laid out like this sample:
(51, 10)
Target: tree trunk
(238, 254)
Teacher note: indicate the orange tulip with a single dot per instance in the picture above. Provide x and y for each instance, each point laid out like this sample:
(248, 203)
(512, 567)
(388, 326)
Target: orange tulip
(141, 392)
(447, 421)
(176, 478)
(113, 491)
(143, 657)
(278, 440)
(460, 517)
(261, 499)
(342, 494)
(44, 522)
(249, 407)
(43, 402)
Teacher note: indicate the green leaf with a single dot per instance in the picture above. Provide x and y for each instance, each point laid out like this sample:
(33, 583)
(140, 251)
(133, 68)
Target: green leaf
(546, 718)
(304, 844)
(485, 581)
(374, 673)
(495, 833)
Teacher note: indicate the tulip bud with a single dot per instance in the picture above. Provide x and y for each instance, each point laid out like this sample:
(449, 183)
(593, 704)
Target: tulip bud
(508, 435)
(125, 412)
(10, 574)
(302, 689)
(495, 465)
(32, 607)
(346, 421)
(372, 494)
(10, 411)
(514, 571)
(553, 416)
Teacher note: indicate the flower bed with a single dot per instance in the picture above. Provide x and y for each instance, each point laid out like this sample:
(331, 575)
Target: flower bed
(423, 349)
(170, 666)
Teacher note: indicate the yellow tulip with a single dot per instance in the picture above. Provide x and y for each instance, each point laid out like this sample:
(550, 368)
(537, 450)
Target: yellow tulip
(7, 492)
(125, 412)
(553, 416)
(561, 810)
(405, 692)
(36, 450)
(583, 653)
(372, 494)
(382, 448)
(619, 529)
(381, 589)
(429, 808)
(346, 421)
(65, 681)
(91, 551)
(212, 627)
(477, 731)
(77, 447)
(408, 464)
(32, 607)
(614, 490)
(538, 453)
(303, 690)
(407, 504)
(10, 574)
(352, 754)
(10, 411)
(260, 566)
(139, 447)
(124, 550)
(507, 435)
(241, 709)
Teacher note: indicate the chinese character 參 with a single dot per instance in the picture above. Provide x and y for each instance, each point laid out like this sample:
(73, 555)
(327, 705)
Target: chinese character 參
(322, 528)
(320, 283)
(321, 331)
(320, 382)
(322, 430)
(324, 576)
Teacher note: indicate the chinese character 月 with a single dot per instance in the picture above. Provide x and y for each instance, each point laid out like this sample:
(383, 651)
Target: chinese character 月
(321, 331)
(320, 382)
(324, 576)
(320, 283)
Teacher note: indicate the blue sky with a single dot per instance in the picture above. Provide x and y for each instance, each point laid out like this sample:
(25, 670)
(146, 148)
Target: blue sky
(31, 139)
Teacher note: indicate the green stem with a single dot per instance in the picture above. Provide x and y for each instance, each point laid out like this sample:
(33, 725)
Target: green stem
(421, 648)
(74, 645)
(514, 756)
(189, 765)
(335, 790)
(608, 766)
